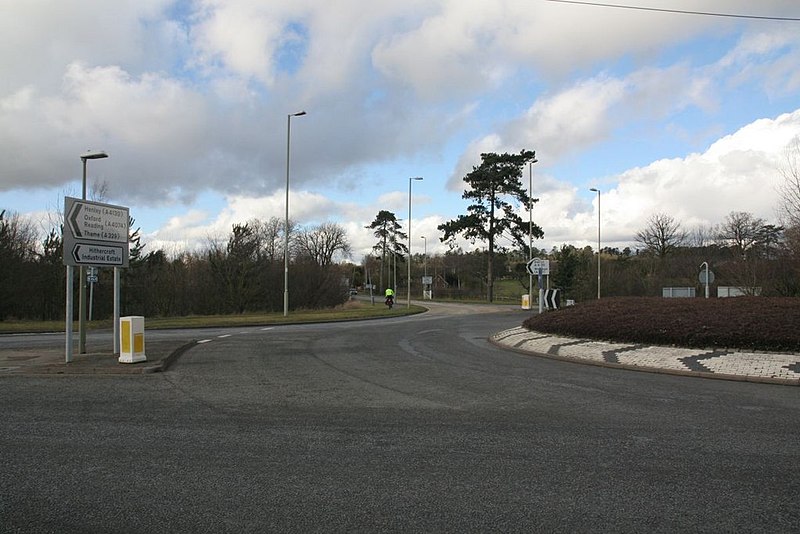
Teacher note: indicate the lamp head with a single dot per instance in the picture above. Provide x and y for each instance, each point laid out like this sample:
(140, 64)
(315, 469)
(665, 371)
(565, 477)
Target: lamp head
(93, 154)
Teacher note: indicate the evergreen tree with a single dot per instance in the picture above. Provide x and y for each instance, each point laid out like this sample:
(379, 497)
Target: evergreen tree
(490, 215)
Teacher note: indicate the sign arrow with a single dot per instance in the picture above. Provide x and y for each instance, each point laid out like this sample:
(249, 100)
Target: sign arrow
(73, 219)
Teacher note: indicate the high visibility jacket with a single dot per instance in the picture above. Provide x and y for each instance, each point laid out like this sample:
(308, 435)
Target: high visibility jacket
(389, 292)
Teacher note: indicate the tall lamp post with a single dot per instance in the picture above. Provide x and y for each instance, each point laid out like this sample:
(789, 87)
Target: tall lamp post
(530, 228)
(82, 285)
(409, 238)
(286, 220)
(598, 239)
(424, 255)
(424, 262)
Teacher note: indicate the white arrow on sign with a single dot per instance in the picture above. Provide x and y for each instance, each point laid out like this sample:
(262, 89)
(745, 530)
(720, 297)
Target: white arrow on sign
(98, 222)
(551, 299)
(538, 266)
(89, 254)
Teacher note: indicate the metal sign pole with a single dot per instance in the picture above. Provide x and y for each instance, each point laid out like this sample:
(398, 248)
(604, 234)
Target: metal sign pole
(68, 325)
(116, 310)
(541, 291)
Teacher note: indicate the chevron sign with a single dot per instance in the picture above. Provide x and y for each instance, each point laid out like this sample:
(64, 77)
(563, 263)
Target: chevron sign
(552, 300)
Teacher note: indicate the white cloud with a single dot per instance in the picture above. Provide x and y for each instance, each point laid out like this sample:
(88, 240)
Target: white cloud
(195, 103)
(737, 173)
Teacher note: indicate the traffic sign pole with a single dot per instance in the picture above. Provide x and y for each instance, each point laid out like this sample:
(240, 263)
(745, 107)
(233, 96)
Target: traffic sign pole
(70, 305)
(116, 310)
(541, 292)
(95, 235)
(539, 267)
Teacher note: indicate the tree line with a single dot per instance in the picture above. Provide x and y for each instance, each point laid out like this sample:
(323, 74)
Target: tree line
(245, 273)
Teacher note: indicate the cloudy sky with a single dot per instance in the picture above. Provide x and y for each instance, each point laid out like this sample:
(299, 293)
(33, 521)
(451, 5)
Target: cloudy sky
(684, 114)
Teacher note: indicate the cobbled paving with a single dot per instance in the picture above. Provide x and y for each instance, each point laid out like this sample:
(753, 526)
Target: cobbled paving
(754, 366)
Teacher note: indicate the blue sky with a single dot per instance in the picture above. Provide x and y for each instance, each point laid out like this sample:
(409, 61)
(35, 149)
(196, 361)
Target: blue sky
(681, 114)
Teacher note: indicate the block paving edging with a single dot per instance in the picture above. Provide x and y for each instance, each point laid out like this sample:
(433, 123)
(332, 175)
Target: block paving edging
(765, 367)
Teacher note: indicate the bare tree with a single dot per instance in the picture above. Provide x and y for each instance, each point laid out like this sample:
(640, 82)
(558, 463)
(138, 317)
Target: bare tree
(701, 236)
(741, 232)
(323, 242)
(270, 238)
(662, 235)
(789, 204)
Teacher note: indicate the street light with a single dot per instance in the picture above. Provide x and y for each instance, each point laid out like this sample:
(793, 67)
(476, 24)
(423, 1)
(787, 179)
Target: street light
(424, 255)
(89, 154)
(286, 221)
(409, 237)
(598, 239)
(424, 263)
(530, 231)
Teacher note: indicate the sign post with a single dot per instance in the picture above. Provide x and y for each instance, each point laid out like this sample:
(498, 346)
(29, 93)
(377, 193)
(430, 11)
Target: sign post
(95, 235)
(540, 267)
(706, 277)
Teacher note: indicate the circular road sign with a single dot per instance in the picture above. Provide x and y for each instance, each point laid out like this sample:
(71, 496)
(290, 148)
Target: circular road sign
(702, 277)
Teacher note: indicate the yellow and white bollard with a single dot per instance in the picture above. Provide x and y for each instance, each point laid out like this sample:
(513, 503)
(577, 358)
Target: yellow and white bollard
(131, 339)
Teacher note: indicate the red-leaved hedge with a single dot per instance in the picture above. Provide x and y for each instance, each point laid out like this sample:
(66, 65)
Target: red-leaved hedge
(746, 323)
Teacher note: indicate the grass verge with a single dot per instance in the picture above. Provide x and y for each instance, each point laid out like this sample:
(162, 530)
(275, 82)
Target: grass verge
(350, 311)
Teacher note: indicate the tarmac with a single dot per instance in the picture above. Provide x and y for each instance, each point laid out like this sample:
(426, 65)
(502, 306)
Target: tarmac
(762, 367)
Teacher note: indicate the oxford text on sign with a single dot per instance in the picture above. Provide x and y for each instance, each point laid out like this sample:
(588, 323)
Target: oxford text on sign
(95, 234)
(97, 222)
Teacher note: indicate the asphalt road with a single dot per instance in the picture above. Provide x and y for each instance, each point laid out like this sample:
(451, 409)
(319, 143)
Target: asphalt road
(411, 424)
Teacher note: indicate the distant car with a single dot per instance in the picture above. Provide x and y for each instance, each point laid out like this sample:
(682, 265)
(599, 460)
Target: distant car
(353, 291)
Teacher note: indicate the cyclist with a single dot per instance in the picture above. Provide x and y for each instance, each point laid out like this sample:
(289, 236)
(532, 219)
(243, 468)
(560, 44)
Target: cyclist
(389, 296)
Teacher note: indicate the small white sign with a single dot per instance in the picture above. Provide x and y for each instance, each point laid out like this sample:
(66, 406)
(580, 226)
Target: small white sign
(97, 254)
(538, 266)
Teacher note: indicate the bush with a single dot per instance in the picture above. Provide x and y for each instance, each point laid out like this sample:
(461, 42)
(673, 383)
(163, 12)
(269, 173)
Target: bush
(745, 323)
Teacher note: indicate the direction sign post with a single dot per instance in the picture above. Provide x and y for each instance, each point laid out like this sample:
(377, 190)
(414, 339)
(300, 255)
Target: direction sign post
(539, 267)
(95, 235)
(92, 226)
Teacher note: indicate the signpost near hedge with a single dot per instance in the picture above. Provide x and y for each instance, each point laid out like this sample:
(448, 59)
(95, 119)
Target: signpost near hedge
(538, 267)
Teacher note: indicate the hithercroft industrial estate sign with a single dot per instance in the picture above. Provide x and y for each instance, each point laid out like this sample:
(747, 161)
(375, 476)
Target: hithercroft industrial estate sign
(95, 234)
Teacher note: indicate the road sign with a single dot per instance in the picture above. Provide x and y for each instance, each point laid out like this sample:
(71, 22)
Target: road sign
(552, 300)
(98, 222)
(98, 254)
(538, 266)
(702, 277)
(95, 234)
